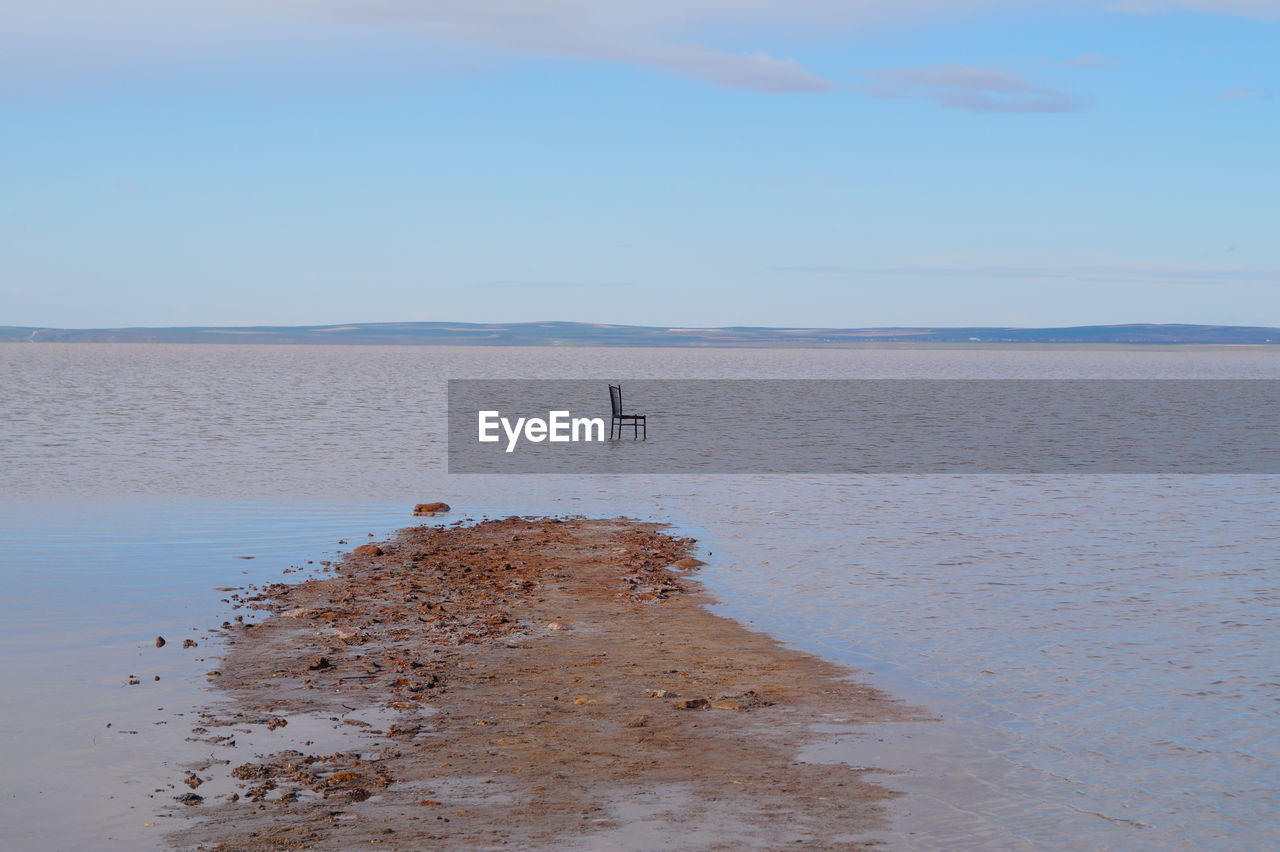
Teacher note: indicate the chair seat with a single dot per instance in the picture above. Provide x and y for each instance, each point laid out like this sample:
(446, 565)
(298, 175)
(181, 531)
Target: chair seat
(628, 417)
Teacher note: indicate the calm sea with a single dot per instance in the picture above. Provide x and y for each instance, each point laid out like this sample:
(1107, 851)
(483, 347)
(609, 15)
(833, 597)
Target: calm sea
(1101, 650)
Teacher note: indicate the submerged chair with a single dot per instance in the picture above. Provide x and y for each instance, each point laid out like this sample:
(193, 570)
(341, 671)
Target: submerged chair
(636, 420)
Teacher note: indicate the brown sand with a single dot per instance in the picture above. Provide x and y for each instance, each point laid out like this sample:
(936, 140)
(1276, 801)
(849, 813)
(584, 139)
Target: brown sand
(550, 684)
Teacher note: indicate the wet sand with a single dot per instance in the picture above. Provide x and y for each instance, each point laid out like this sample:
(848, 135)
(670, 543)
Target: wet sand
(523, 683)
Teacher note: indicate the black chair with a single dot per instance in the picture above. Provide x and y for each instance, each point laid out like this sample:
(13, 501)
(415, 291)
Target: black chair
(636, 420)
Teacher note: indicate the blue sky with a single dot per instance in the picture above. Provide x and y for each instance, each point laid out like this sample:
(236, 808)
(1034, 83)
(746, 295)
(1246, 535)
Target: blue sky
(695, 163)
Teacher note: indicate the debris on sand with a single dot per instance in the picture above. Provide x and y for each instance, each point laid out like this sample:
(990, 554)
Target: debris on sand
(512, 666)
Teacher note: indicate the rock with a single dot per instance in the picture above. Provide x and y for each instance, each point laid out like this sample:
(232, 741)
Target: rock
(427, 509)
(160, 643)
(661, 693)
(190, 643)
(688, 563)
(637, 722)
(319, 663)
(298, 612)
(367, 550)
(189, 798)
(745, 701)
(193, 781)
(691, 703)
(555, 625)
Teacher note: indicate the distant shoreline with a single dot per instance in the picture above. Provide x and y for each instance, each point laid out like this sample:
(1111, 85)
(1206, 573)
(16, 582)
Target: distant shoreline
(604, 335)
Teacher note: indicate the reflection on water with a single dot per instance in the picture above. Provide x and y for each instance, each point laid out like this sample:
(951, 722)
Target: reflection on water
(1101, 649)
(87, 588)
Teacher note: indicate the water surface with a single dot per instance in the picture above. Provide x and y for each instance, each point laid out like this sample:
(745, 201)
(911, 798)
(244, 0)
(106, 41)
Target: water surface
(1100, 649)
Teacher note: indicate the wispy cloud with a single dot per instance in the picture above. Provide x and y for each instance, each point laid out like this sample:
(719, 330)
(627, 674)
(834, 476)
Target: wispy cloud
(1236, 94)
(813, 270)
(971, 88)
(549, 285)
(1149, 273)
(677, 36)
(1240, 8)
(1091, 60)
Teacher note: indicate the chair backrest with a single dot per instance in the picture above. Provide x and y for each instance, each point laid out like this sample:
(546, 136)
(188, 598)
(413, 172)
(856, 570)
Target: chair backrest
(615, 399)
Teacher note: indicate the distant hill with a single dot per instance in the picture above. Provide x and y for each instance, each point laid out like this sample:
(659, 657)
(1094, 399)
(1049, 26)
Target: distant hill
(593, 334)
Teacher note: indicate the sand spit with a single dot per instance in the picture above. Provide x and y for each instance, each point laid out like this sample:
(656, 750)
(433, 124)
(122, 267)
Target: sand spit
(521, 683)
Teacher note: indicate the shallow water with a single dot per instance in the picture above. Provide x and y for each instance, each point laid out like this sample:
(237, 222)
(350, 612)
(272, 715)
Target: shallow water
(1100, 648)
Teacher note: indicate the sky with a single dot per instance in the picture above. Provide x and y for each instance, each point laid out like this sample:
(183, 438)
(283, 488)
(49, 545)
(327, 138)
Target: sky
(650, 162)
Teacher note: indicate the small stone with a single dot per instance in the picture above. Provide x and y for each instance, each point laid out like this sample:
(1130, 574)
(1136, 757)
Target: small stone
(745, 701)
(427, 509)
(662, 693)
(193, 781)
(688, 563)
(189, 798)
(190, 643)
(160, 642)
(367, 550)
(637, 722)
(691, 704)
(319, 663)
(555, 625)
